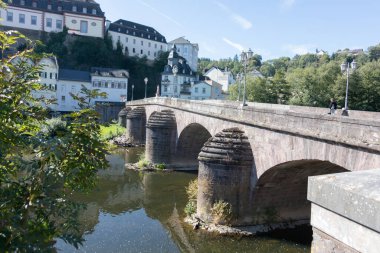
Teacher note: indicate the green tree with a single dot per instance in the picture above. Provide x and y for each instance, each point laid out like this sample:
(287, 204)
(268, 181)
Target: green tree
(374, 52)
(42, 162)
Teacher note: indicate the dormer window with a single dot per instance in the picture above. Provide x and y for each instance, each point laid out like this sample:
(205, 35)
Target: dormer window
(119, 30)
(74, 8)
(142, 35)
(134, 33)
(22, 2)
(84, 10)
(94, 11)
(148, 36)
(147, 29)
(34, 4)
(134, 26)
(155, 38)
(59, 8)
(127, 31)
(121, 23)
(49, 6)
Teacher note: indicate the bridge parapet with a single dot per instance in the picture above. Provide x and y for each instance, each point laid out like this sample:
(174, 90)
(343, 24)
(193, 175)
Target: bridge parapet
(361, 129)
(345, 212)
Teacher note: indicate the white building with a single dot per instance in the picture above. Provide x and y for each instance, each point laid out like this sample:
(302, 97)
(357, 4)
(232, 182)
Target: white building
(49, 79)
(224, 77)
(82, 17)
(187, 50)
(136, 39)
(177, 75)
(179, 81)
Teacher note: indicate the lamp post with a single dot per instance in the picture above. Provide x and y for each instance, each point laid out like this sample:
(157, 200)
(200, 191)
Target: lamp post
(239, 77)
(133, 86)
(346, 66)
(244, 57)
(146, 82)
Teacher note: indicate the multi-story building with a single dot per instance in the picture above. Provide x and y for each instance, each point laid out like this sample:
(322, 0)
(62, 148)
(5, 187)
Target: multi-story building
(187, 50)
(136, 39)
(81, 17)
(180, 81)
(224, 77)
(177, 75)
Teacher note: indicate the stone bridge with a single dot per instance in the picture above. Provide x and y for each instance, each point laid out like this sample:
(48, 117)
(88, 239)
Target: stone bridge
(287, 144)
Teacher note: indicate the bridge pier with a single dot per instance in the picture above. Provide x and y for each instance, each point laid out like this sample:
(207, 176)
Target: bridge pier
(136, 121)
(225, 164)
(345, 212)
(123, 116)
(161, 134)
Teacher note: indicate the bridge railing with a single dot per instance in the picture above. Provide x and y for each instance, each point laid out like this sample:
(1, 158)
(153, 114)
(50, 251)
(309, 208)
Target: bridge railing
(359, 129)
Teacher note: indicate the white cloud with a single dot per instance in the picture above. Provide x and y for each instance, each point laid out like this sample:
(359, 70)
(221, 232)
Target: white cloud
(300, 49)
(161, 13)
(234, 44)
(288, 3)
(238, 19)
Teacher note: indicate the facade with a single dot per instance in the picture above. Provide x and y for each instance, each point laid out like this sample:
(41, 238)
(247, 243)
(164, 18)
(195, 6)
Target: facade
(179, 81)
(187, 50)
(136, 39)
(49, 79)
(177, 75)
(81, 17)
(224, 77)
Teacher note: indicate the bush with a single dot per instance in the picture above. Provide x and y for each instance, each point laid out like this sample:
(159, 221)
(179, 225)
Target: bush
(160, 166)
(142, 163)
(192, 193)
(222, 212)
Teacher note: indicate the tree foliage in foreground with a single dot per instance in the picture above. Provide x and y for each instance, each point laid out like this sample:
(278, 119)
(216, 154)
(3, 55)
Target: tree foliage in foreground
(42, 161)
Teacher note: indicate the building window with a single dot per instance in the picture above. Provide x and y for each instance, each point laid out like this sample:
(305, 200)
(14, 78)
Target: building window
(161, 47)
(94, 11)
(83, 26)
(74, 8)
(84, 10)
(56, 76)
(59, 8)
(33, 20)
(106, 84)
(142, 43)
(165, 89)
(51, 75)
(155, 45)
(134, 41)
(34, 4)
(9, 16)
(134, 33)
(49, 6)
(196, 89)
(203, 90)
(175, 89)
(22, 2)
(59, 24)
(149, 44)
(112, 85)
(49, 22)
(126, 39)
(119, 85)
(155, 54)
(141, 51)
(134, 50)
(63, 98)
(21, 18)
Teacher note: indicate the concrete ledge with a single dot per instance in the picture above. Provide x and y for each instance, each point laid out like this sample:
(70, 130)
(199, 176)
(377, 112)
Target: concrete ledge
(353, 195)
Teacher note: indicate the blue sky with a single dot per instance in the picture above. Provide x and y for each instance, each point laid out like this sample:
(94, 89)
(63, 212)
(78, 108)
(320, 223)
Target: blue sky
(271, 28)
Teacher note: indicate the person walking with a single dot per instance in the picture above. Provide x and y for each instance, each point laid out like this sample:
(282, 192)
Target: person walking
(333, 106)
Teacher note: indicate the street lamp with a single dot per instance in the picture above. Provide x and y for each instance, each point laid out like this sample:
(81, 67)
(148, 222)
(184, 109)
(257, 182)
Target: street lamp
(146, 82)
(133, 86)
(244, 57)
(239, 78)
(346, 67)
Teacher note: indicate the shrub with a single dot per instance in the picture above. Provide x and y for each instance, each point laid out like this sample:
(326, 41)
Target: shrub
(192, 193)
(191, 207)
(160, 166)
(142, 163)
(222, 212)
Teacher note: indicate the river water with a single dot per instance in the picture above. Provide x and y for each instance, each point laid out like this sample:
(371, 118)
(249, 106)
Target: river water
(143, 212)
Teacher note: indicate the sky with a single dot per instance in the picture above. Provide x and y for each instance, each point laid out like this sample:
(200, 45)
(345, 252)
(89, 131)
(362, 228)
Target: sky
(271, 28)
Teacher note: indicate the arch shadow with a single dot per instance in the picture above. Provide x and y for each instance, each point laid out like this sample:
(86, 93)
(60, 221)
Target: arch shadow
(280, 194)
(190, 143)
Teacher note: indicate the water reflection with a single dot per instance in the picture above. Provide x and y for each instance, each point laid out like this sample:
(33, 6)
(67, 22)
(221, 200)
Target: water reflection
(143, 212)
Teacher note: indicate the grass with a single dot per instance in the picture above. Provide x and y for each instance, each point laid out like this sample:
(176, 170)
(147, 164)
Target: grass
(142, 163)
(111, 131)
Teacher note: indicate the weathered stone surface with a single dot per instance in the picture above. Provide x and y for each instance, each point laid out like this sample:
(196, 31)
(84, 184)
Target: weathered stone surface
(161, 137)
(224, 174)
(136, 121)
(323, 243)
(346, 207)
(123, 116)
(355, 196)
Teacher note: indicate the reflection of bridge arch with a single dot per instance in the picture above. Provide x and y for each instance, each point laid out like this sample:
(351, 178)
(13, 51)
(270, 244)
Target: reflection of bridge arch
(191, 141)
(280, 193)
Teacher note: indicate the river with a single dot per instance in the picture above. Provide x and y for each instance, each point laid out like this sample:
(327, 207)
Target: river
(143, 212)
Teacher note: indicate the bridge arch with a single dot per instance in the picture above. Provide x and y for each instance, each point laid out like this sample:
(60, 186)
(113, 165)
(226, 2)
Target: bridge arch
(190, 142)
(280, 194)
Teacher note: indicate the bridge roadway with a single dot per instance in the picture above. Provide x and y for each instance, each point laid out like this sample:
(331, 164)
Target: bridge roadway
(289, 144)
